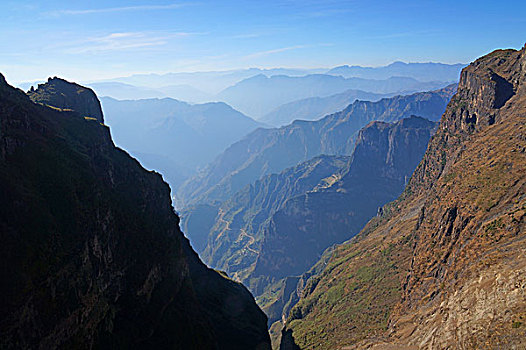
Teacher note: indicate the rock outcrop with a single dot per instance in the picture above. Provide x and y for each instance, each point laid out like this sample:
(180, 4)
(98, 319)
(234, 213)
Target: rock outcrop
(443, 266)
(62, 94)
(92, 255)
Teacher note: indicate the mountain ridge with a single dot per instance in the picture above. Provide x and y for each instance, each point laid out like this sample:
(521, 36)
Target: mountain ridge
(266, 151)
(260, 94)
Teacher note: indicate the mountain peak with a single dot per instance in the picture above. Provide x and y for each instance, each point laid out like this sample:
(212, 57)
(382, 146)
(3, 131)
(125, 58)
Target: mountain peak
(485, 86)
(65, 95)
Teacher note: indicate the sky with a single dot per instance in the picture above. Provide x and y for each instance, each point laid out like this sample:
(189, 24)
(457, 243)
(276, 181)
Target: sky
(92, 40)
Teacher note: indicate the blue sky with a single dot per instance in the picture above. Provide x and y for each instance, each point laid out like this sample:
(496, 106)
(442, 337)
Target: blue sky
(88, 40)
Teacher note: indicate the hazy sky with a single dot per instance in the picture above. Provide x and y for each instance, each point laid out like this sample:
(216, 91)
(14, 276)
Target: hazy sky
(85, 40)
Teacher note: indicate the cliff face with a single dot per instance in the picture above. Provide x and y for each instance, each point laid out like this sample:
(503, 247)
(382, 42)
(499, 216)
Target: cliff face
(64, 95)
(92, 255)
(443, 266)
(267, 151)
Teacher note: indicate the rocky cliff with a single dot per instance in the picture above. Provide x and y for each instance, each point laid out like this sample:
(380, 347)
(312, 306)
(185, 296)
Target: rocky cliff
(62, 94)
(443, 266)
(92, 255)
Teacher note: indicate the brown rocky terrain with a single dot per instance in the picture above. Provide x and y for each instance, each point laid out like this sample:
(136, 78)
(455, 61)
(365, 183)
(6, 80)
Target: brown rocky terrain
(443, 267)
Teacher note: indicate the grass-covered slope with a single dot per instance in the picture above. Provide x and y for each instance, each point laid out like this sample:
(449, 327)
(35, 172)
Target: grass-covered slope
(444, 266)
(92, 255)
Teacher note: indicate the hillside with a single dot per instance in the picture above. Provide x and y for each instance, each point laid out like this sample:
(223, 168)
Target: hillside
(259, 95)
(267, 151)
(298, 233)
(443, 266)
(92, 255)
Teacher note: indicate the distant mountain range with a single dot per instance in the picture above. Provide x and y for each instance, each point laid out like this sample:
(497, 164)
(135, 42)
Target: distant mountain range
(199, 87)
(314, 108)
(267, 151)
(210, 82)
(123, 91)
(174, 137)
(420, 71)
(259, 95)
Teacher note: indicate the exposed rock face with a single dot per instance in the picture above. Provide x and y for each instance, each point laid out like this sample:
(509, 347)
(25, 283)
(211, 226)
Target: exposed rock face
(267, 151)
(314, 108)
(62, 94)
(92, 255)
(442, 267)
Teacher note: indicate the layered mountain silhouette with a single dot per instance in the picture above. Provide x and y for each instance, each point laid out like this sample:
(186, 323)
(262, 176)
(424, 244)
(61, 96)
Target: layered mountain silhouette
(175, 137)
(211, 82)
(239, 224)
(92, 255)
(420, 71)
(443, 266)
(315, 108)
(196, 86)
(122, 91)
(267, 151)
(259, 95)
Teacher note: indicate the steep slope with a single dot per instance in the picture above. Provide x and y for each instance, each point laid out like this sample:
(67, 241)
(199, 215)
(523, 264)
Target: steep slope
(420, 71)
(259, 95)
(92, 255)
(61, 94)
(314, 108)
(267, 151)
(279, 226)
(385, 156)
(444, 266)
(235, 238)
(167, 132)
